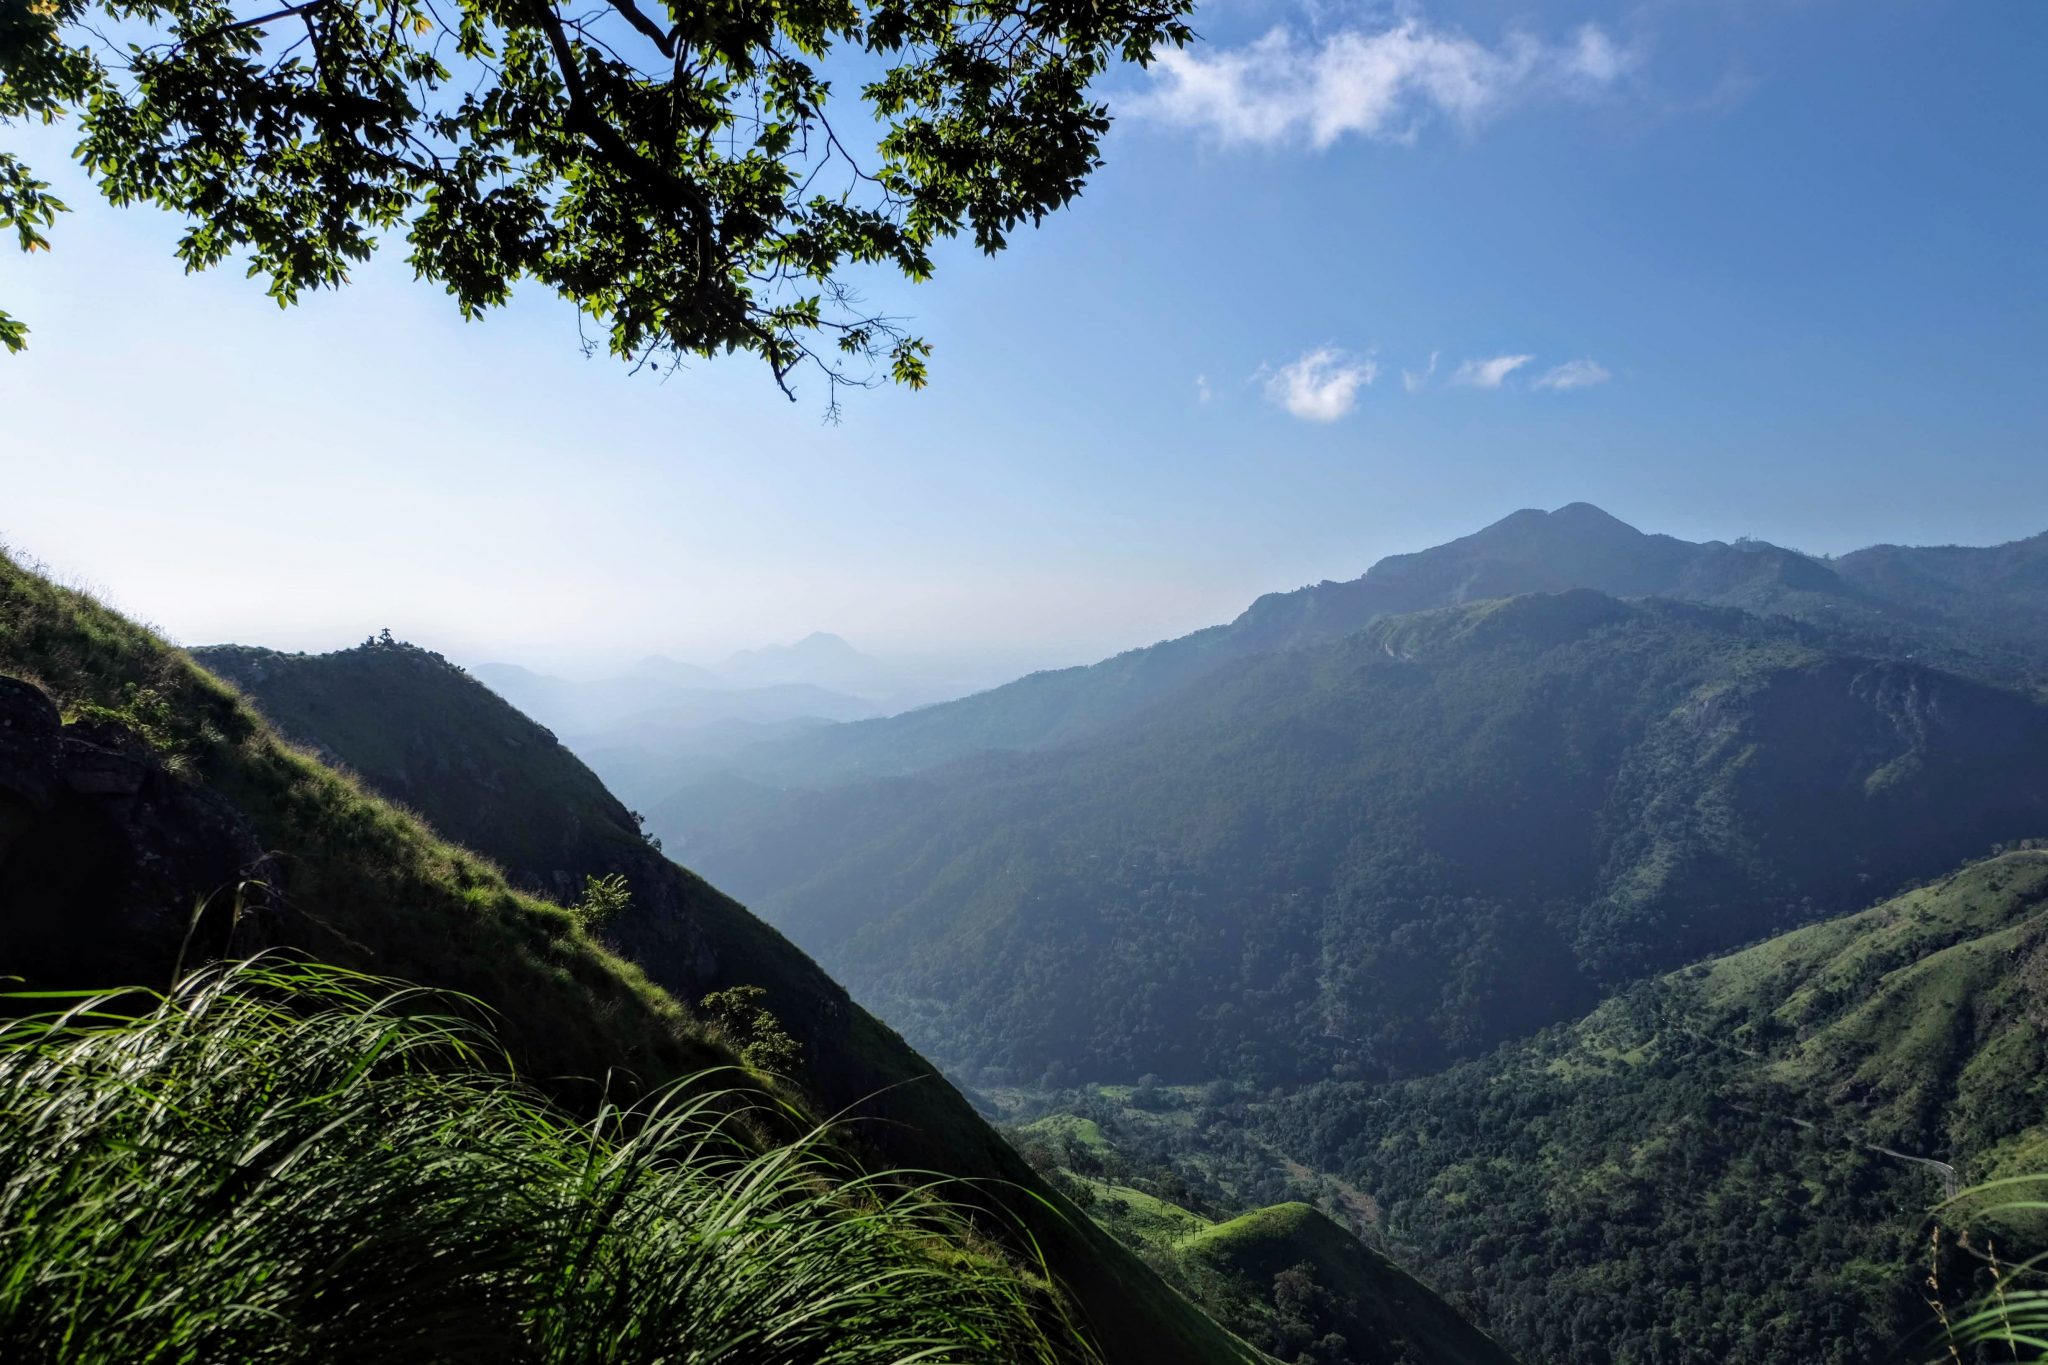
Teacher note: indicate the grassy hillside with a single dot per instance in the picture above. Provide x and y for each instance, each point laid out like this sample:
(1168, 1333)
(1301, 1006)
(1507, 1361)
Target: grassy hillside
(1321, 1282)
(350, 877)
(1731, 1163)
(358, 881)
(1923, 1017)
(1367, 857)
(415, 729)
(1287, 1277)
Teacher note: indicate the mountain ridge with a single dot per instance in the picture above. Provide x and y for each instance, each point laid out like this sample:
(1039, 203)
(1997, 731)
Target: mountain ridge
(1388, 849)
(1575, 546)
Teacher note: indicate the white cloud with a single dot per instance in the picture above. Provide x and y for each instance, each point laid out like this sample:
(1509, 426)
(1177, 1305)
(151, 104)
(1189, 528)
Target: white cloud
(1203, 393)
(1413, 380)
(1322, 385)
(1575, 374)
(1380, 83)
(1490, 372)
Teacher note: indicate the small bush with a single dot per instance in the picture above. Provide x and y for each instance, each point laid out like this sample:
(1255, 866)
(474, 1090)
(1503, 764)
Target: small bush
(764, 1044)
(604, 900)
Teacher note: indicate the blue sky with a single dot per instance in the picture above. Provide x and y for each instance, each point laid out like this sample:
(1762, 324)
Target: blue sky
(1776, 267)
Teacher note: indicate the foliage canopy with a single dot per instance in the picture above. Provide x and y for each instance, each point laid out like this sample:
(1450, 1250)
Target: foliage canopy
(668, 167)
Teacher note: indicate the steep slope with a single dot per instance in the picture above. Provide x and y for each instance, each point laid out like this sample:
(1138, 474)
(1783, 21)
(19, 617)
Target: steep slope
(1888, 610)
(386, 711)
(1320, 1282)
(1734, 1162)
(1370, 856)
(458, 754)
(156, 747)
(160, 787)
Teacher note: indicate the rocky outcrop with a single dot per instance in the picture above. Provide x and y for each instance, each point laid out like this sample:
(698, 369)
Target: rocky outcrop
(107, 857)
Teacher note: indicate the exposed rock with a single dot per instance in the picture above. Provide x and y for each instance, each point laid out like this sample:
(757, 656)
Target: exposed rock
(100, 844)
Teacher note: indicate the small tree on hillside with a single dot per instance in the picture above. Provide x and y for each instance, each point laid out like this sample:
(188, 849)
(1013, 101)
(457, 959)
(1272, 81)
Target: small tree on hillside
(764, 1044)
(604, 900)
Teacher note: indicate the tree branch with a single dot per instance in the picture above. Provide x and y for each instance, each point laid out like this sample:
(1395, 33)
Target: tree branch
(666, 41)
(260, 20)
(620, 155)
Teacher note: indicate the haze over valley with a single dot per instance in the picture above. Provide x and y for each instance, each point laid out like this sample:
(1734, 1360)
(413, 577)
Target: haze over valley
(1145, 683)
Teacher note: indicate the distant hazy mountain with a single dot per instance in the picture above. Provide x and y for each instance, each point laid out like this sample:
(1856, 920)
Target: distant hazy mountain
(1982, 611)
(660, 698)
(1374, 854)
(675, 673)
(820, 659)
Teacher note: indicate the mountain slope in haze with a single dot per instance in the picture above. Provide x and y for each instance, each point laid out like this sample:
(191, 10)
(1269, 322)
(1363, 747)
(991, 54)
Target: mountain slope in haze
(1371, 856)
(1997, 592)
(820, 659)
(655, 699)
(1892, 610)
(462, 757)
(1730, 1163)
(155, 748)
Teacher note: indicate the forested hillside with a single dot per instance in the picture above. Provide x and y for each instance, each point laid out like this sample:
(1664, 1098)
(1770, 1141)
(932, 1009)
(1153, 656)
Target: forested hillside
(1368, 857)
(1721, 1165)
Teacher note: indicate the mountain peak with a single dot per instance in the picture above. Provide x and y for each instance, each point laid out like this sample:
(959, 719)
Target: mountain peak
(1586, 514)
(1579, 519)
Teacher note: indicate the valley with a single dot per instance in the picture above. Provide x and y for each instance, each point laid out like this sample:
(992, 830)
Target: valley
(1126, 683)
(1419, 930)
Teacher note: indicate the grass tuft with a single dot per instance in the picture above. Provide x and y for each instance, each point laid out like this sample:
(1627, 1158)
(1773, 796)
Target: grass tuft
(280, 1160)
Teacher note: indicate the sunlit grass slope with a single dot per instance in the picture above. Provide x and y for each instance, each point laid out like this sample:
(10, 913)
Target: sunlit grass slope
(1739, 1160)
(368, 885)
(1921, 1017)
(1390, 1314)
(284, 1162)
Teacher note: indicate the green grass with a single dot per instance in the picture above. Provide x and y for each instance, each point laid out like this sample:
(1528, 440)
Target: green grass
(1067, 1127)
(1383, 1305)
(423, 733)
(368, 885)
(1137, 1214)
(288, 1162)
(1916, 1013)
